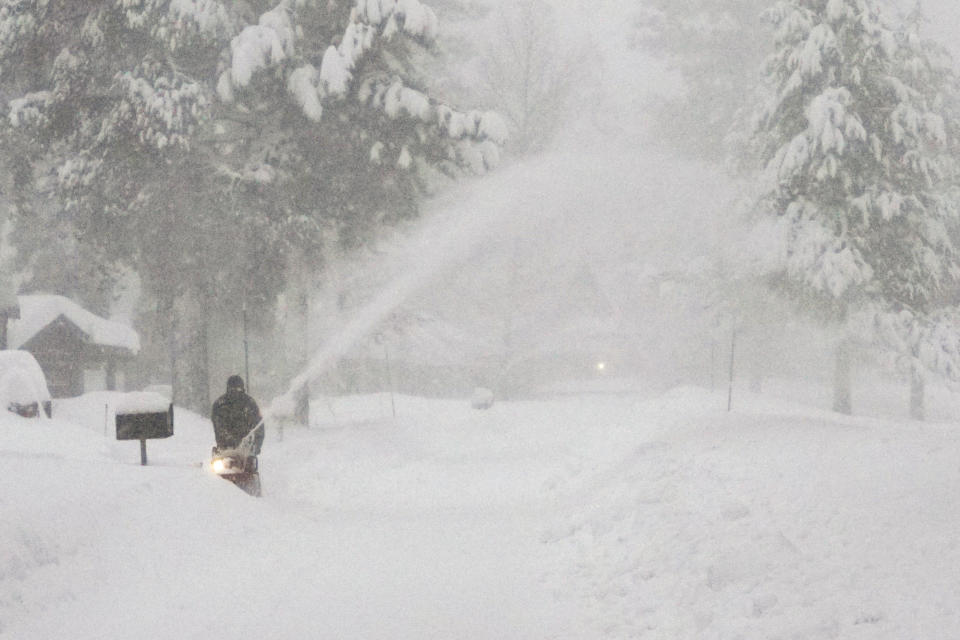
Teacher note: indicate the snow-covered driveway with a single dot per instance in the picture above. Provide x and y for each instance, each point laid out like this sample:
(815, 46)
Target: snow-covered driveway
(577, 518)
(776, 522)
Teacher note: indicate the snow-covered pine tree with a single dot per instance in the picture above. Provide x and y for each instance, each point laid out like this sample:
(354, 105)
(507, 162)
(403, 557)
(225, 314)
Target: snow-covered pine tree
(921, 336)
(336, 122)
(179, 120)
(856, 169)
(353, 76)
(108, 97)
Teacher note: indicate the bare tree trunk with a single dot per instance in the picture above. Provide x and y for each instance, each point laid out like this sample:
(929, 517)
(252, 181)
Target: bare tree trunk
(111, 374)
(917, 392)
(842, 402)
(171, 328)
(298, 340)
(203, 360)
(191, 367)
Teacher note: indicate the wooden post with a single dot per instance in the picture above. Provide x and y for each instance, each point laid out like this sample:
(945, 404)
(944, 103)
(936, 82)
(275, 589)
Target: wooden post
(733, 348)
(386, 355)
(143, 453)
(246, 350)
(713, 364)
(842, 402)
(916, 393)
(111, 374)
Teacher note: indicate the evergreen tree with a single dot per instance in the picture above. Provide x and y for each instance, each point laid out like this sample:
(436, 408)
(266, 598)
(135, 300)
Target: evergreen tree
(857, 169)
(715, 47)
(205, 143)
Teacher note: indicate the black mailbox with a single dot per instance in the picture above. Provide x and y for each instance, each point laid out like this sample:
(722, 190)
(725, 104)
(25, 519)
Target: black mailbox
(144, 416)
(145, 426)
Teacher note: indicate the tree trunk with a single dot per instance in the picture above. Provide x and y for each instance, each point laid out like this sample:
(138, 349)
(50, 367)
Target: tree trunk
(192, 367)
(297, 334)
(917, 389)
(171, 328)
(842, 402)
(302, 410)
(111, 374)
(203, 379)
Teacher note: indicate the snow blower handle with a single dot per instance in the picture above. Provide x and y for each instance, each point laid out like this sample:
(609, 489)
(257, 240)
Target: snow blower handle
(246, 444)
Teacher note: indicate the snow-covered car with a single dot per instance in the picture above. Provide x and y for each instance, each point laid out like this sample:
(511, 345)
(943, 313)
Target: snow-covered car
(23, 387)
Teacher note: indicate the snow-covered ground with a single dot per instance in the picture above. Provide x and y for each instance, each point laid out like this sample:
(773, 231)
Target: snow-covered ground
(582, 517)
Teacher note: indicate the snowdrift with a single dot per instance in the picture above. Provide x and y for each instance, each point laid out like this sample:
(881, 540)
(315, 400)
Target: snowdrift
(581, 517)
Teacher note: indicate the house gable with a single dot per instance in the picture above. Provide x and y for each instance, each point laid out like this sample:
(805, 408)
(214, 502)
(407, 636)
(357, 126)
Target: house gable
(39, 311)
(66, 340)
(61, 350)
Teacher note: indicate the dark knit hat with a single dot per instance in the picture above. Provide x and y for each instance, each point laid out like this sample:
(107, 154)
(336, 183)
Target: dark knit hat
(235, 382)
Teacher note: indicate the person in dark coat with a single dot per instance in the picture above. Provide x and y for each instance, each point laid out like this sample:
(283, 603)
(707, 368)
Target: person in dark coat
(235, 415)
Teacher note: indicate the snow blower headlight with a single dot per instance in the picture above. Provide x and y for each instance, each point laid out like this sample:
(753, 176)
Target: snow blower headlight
(218, 466)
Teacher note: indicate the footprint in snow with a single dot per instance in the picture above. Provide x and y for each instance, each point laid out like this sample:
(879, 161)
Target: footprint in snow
(736, 511)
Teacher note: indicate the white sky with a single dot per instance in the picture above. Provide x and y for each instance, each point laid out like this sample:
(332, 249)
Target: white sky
(944, 16)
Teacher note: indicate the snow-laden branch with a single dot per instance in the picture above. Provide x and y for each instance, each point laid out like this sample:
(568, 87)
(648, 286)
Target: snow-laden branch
(261, 46)
(271, 42)
(166, 109)
(911, 342)
(30, 110)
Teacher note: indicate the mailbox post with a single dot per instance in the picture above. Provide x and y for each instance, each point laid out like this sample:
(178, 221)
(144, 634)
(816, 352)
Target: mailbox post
(144, 416)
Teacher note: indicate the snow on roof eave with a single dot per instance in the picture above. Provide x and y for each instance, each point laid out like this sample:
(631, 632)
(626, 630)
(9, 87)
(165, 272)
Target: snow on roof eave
(39, 311)
(107, 351)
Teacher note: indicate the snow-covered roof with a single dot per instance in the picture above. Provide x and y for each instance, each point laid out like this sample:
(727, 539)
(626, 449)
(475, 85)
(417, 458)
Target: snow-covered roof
(38, 311)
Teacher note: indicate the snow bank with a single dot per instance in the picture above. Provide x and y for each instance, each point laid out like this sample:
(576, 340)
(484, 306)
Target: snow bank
(21, 380)
(608, 516)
